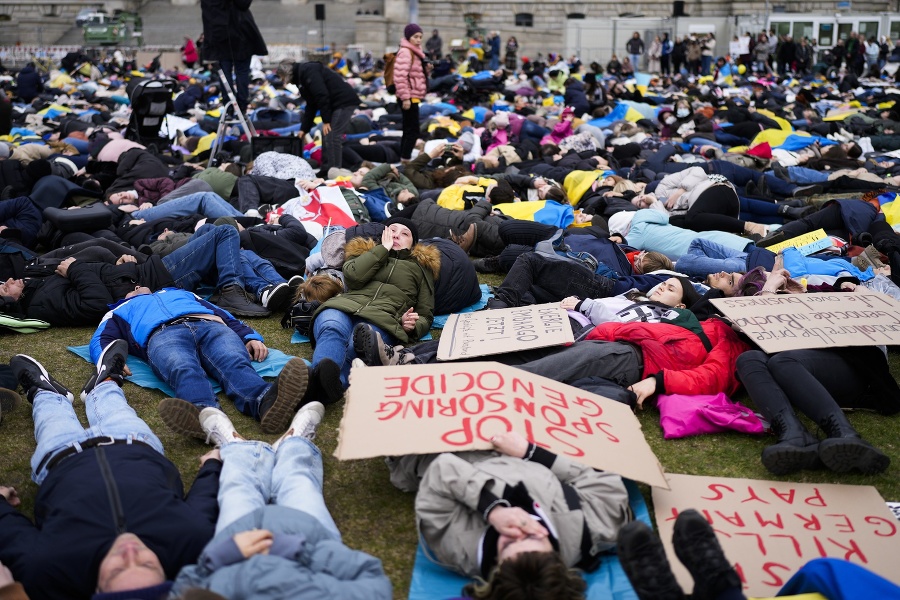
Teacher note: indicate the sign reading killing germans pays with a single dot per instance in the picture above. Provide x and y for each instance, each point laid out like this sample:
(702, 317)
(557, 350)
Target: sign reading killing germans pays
(769, 529)
(486, 332)
(794, 321)
(450, 407)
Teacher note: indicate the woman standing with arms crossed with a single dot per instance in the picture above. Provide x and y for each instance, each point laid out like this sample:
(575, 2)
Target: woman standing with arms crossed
(411, 83)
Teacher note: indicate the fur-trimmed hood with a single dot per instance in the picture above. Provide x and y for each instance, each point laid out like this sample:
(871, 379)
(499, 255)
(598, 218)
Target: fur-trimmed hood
(428, 257)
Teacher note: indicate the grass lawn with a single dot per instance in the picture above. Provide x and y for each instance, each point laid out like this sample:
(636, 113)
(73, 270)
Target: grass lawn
(372, 515)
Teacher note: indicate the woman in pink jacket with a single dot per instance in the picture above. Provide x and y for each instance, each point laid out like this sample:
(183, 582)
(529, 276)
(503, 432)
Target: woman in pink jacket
(411, 83)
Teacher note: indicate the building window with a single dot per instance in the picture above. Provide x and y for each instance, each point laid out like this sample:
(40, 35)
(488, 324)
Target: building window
(575, 16)
(524, 20)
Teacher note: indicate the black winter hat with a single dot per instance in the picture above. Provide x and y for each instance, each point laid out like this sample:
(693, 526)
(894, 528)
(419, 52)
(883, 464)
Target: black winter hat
(406, 223)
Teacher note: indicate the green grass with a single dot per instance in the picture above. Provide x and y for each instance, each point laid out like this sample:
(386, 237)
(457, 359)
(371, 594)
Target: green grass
(371, 514)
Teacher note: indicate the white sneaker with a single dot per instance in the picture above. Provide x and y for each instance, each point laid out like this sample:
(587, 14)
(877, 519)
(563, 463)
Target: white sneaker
(304, 423)
(358, 363)
(218, 427)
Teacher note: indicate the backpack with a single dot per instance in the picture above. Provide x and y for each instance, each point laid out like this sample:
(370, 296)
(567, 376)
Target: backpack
(389, 59)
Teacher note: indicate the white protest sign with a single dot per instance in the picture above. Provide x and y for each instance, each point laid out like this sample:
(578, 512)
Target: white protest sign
(795, 321)
(482, 333)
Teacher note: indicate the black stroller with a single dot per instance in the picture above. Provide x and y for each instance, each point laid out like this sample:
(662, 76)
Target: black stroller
(151, 101)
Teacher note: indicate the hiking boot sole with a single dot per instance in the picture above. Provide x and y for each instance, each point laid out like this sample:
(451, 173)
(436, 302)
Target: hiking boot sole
(782, 459)
(292, 383)
(365, 346)
(182, 417)
(843, 455)
(9, 400)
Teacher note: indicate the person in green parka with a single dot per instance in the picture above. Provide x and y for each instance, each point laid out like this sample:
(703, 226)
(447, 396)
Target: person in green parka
(389, 290)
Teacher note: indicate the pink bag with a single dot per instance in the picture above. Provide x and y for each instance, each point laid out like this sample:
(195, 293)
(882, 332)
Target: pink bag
(684, 416)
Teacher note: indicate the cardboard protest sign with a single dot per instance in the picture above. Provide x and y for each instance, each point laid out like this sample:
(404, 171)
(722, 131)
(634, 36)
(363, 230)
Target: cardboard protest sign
(423, 409)
(769, 529)
(806, 243)
(470, 335)
(794, 321)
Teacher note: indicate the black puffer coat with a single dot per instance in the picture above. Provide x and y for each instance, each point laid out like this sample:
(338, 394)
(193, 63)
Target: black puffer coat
(437, 221)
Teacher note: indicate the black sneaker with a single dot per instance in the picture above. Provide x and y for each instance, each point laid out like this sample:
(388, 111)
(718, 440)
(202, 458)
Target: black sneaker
(644, 562)
(182, 417)
(110, 365)
(294, 283)
(275, 296)
(33, 377)
(699, 551)
(277, 407)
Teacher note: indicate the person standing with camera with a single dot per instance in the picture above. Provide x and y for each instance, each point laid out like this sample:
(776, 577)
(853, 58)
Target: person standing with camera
(231, 37)
(411, 81)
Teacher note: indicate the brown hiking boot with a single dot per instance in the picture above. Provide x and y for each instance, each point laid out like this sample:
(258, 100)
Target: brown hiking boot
(182, 417)
(467, 239)
(277, 407)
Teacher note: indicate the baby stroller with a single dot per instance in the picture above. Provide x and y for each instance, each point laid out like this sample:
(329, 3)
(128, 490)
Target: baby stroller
(825, 66)
(151, 101)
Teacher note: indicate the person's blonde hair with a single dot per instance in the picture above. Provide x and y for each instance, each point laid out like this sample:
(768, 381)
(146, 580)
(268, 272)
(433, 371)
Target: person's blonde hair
(622, 185)
(318, 288)
(656, 261)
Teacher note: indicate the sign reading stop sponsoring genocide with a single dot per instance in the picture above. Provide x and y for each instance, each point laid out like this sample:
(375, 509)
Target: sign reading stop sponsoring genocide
(794, 321)
(769, 529)
(470, 335)
(424, 409)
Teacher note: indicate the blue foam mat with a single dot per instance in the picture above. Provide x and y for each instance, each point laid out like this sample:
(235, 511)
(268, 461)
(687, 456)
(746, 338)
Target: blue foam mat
(439, 320)
(609, 582)
(143, 375)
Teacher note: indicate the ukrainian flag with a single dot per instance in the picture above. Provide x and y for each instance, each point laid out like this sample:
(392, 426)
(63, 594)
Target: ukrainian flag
(890, 207)
(539, 211)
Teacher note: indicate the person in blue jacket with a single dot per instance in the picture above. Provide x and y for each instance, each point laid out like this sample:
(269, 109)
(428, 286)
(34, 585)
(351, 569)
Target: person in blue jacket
(186, 340)
(111, 515)
(275, 537)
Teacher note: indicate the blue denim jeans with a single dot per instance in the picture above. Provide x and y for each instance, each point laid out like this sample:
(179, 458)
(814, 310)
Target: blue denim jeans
(214, 256)
(184, 355)
(806, 176)
(208, 204)
(333, 332)
(56, 426)
(253, 475)
(760, 211)
(258, 272)
(705, 257)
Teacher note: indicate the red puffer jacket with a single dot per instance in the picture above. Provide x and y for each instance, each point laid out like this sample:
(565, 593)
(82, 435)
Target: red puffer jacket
(409, 73)
(686, 365)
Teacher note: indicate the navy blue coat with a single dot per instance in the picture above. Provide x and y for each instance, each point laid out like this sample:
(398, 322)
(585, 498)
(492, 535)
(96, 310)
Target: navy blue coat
(75, 523)
(29, 83)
